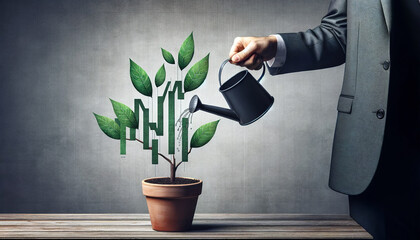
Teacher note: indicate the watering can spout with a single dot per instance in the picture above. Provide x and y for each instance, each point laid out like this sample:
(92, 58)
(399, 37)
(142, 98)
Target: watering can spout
(195, 105)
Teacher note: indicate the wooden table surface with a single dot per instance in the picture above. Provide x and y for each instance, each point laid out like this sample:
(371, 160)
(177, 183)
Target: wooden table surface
(210, 226)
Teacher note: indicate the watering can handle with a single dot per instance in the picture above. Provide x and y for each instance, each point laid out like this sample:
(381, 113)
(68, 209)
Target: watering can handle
(224, 63)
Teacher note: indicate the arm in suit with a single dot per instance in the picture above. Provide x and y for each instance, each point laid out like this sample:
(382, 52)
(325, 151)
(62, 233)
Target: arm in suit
(321, 47)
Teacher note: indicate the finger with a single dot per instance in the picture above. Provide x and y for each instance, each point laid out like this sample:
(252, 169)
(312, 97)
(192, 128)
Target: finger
(248, 62)
(257, 63)
(251, 63)
(237, 46)
(247, 52)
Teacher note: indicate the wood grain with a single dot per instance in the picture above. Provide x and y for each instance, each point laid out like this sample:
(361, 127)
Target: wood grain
(205, 226)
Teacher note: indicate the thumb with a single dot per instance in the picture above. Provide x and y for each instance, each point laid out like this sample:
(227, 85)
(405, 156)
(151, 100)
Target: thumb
(245, 54)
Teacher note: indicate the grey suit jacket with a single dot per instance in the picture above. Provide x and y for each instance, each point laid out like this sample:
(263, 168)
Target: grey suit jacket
(356, 32)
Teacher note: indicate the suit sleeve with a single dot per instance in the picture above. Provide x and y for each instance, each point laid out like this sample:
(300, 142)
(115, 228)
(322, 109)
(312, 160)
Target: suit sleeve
(321, 47)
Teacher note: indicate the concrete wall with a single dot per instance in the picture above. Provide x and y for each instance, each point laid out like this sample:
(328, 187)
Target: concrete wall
(61, 60)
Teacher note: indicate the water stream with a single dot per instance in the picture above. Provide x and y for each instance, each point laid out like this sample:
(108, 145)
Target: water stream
(185, 114)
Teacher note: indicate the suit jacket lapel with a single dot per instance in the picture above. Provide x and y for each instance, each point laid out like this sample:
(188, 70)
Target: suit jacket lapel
(386, 8)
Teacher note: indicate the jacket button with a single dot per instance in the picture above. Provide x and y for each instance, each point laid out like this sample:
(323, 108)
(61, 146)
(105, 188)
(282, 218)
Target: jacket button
(386, 65)
(380, 113)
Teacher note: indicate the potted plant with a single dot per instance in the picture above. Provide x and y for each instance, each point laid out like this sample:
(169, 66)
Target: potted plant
(171, 200)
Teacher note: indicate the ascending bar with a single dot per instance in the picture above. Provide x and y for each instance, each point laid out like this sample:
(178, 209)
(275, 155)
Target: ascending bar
(171, 115)
(155, 151)
(185, 139)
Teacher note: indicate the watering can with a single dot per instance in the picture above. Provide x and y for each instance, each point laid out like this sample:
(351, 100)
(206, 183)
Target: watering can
(246, 97)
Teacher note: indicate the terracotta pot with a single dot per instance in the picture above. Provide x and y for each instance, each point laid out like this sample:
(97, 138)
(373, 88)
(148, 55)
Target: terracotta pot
(171, 206)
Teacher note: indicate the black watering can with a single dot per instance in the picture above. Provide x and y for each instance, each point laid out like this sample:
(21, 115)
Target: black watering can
(246, 97)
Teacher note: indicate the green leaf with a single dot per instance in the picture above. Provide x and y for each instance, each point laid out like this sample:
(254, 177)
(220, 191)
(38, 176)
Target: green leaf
(125, 114)
(108, 126)
(186, 52)
(168, 56)
(203, 134)
(197, 74)
(160, 76)
(140, 79)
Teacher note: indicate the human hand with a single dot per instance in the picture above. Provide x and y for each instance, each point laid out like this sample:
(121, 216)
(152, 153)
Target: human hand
(250, 52)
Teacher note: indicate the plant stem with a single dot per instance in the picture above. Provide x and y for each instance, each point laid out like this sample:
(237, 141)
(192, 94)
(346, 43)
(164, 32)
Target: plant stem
(173, 163)
(181, 161)
(160, 154)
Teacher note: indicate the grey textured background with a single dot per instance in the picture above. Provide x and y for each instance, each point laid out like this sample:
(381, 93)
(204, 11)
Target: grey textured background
(61, 60)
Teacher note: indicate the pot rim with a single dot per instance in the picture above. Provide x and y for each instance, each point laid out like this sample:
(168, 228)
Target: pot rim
(171, 185)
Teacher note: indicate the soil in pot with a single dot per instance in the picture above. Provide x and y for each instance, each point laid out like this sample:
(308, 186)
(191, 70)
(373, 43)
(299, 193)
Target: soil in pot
(171, 205)
(168, 180)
